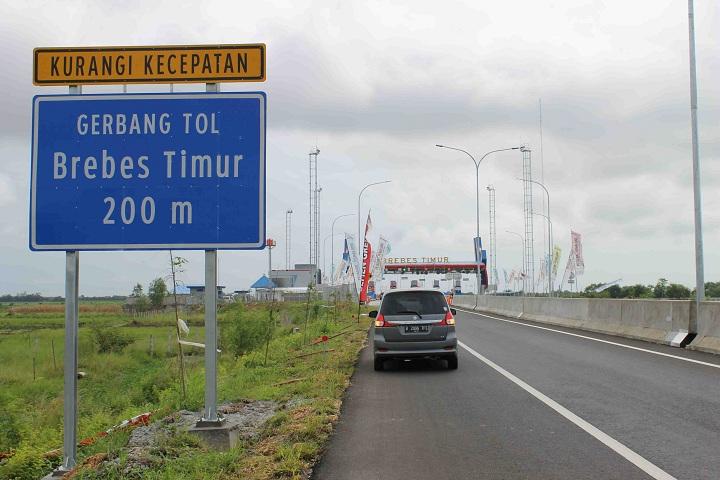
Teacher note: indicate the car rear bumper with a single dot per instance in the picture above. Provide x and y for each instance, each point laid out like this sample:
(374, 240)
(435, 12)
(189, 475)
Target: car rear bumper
(437, 348)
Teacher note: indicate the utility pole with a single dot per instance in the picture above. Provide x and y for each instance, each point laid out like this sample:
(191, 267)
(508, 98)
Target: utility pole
(317, 233)
(542, 164)
(270, 243)
(312, 188)
(288, 235)
(492, 258)
(529, 282)
(697, 197)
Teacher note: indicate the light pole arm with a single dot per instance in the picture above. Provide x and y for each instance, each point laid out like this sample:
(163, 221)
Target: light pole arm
(543, 187)
(477, 198)
(463, 151)
(495, 151)
(338, 218)
(359, 217)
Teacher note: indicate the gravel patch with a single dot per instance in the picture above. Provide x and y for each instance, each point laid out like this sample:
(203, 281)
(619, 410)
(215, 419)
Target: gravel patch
(248, 417)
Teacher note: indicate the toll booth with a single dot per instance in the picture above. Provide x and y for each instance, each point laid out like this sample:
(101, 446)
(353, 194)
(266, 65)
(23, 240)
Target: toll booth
(446, 276)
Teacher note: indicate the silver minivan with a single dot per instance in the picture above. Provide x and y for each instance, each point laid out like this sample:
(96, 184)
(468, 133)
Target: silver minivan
(416, 323)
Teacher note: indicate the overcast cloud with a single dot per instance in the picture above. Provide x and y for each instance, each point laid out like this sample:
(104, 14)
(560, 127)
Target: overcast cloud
(376, 84)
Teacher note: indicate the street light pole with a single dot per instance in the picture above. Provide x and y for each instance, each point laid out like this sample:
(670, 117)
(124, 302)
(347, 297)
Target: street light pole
(522, 239)
(477, 201)
(359, 247)
(288, 234)
(328, 236)
(548, 210)
(551, 284)
(358, 240)
(332, 245)
(699, 263)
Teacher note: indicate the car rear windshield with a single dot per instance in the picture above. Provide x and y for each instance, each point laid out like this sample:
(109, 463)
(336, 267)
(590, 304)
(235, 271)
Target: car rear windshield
(423, 303)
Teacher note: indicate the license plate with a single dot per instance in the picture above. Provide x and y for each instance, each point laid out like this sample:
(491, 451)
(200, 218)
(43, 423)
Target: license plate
(417, 328)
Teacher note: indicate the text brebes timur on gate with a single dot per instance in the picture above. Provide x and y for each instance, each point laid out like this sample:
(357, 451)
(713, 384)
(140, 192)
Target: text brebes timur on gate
(146, 171)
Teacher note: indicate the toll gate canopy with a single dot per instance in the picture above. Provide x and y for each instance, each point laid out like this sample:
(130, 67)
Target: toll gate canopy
(432, 267)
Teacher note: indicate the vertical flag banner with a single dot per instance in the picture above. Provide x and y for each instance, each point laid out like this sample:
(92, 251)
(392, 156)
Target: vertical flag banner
(341, 271)
(354, 261)
(378, 260)
(477, 247)
(557, 252)
(541, 274)
(569, 268)
(388, 248)
(346, 260)
(366, 267)
(577, 252)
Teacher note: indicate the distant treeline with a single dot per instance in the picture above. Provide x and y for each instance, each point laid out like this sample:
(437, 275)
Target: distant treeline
(37, 297)
(662, 289)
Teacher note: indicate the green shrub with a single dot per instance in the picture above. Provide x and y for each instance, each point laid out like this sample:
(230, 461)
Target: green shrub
(25, 464)
(108, 340)
(9, 432)
(246, 332)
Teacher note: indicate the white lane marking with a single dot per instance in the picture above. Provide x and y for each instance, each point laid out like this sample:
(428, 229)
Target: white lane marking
(645, 465)
(708, 364)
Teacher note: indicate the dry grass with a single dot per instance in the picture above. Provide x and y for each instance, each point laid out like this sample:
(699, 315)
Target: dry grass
(60, 308)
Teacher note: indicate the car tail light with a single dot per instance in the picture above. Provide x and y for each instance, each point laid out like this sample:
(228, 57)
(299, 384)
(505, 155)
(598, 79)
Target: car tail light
(381, 322)
(448, 320)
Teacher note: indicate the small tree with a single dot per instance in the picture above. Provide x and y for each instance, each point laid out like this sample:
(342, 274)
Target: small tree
(615, 291)
(141, 301)
(157, 292)
(675, 290)
(660, 289)
(109, 340)
(712, 289)
(636, 291)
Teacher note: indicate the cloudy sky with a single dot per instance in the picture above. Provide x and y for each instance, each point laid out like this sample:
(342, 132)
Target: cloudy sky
(375, 85)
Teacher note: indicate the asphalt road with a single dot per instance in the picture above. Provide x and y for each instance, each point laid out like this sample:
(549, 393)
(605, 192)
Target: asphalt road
(532, 403)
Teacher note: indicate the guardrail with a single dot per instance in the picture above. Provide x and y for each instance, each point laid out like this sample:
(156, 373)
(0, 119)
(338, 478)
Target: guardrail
(659, 321)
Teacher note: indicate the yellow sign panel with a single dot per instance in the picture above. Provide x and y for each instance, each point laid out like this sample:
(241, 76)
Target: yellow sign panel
(165, 64)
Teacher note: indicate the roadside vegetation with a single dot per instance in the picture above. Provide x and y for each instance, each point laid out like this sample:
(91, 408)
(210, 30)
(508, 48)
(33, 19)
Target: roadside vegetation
(131, 366)
(663, 289)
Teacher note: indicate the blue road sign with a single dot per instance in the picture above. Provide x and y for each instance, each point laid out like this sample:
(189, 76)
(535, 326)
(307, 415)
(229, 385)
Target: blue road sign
(143, 172)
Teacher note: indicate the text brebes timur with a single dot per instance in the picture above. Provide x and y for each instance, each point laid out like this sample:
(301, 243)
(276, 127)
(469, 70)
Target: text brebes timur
(176, 163)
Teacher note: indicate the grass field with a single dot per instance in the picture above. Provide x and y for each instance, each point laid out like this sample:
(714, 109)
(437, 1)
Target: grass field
(144, 377)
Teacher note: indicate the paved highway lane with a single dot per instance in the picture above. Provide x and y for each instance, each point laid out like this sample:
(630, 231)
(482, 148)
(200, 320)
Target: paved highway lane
(532, 403)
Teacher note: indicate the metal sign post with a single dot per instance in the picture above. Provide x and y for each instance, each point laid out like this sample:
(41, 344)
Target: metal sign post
(72, 271)
(210, 418)
(70, 357)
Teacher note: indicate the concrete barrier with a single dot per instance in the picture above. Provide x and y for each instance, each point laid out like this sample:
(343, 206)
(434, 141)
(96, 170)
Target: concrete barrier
(659, 321)
(567, 312)
(463, 301)
(510, 306)
(708, 337)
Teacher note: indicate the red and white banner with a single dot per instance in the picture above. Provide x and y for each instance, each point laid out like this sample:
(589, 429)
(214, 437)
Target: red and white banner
(577, 252)
(367, 255)
(354, 262)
